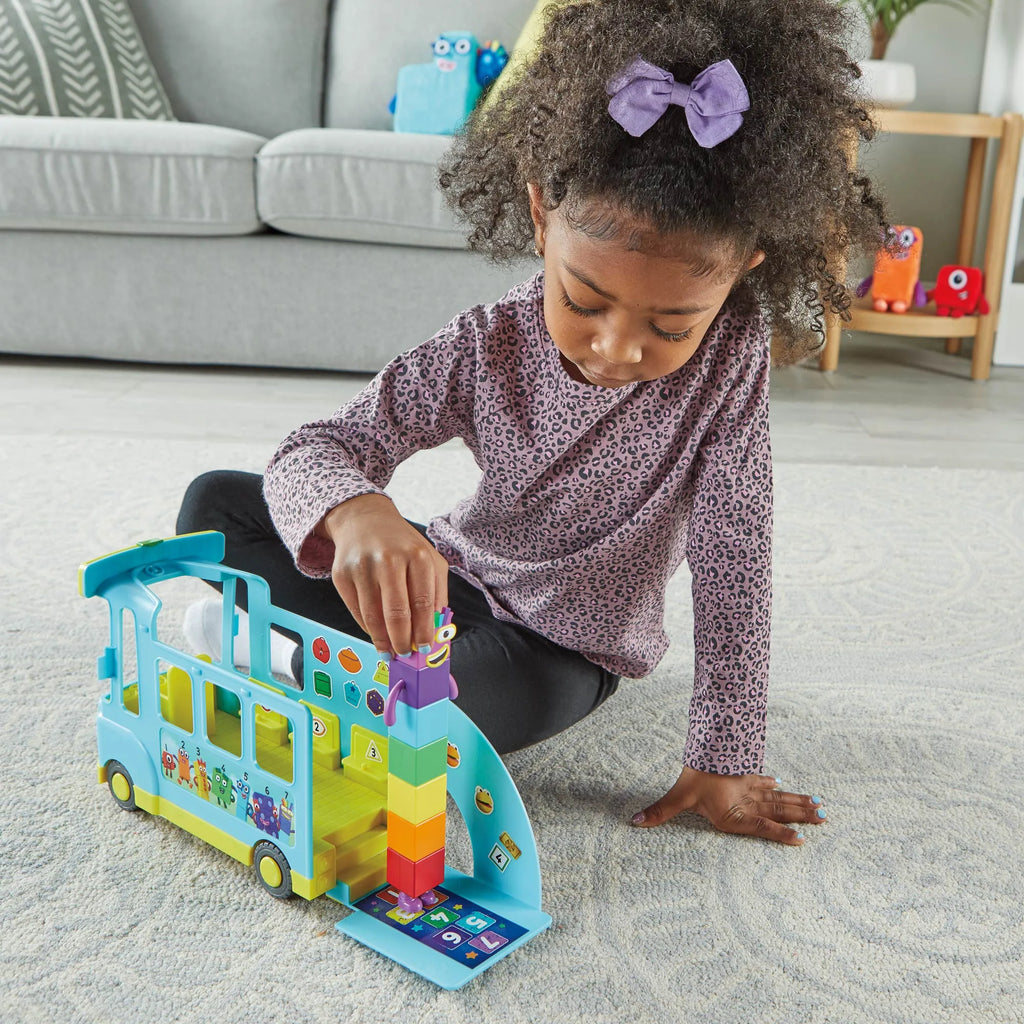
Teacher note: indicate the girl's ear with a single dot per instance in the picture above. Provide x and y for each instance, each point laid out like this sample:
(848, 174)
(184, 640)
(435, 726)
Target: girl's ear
(538, 214)
(756, 259)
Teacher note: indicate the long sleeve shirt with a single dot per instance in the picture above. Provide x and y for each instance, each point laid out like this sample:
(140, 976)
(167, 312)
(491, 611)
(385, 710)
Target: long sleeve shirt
(589, 498)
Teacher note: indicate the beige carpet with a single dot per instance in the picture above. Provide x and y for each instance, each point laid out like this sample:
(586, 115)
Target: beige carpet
(897, 693)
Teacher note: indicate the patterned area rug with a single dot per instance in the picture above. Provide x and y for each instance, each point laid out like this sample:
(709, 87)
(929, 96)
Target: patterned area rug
(898, 662)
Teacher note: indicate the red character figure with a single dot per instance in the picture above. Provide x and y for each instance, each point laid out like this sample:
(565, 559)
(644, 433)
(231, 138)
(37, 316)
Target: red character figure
(959, 291)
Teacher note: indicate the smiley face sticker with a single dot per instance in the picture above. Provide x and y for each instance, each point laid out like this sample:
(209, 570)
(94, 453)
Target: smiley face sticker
(483, 800)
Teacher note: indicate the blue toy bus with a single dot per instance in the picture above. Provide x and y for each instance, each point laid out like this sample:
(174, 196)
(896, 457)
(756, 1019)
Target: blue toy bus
(293, 778)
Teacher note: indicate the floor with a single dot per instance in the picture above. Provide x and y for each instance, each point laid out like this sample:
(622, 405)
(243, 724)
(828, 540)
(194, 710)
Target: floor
(891, 402)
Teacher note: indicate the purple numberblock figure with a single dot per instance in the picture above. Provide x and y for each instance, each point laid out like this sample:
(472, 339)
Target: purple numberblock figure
(265, 814)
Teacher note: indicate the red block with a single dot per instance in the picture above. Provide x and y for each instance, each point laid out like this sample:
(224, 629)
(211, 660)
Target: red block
(414, 878)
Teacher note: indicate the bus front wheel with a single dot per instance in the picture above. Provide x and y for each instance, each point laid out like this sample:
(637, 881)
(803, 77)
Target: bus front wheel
(272, 871)
(122, 789)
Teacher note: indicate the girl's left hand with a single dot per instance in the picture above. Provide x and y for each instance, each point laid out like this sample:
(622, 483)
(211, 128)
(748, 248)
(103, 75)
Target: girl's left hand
(751, 805)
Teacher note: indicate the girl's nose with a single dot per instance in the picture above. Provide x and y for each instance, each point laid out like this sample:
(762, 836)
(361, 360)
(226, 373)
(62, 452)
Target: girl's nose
(617, 347)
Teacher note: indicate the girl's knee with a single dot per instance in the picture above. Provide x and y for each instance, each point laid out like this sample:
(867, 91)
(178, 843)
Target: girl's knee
(211, 495)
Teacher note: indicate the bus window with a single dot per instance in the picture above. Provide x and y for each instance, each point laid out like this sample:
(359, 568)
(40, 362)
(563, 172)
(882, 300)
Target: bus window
(175, 695)
(275, 743)
(239, 654)
(223, 719)
(276, 633)
(129, 663)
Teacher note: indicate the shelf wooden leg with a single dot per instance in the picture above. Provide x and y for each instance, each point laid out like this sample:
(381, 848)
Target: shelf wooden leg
(984, 342)
(995, 248)
(953, 346)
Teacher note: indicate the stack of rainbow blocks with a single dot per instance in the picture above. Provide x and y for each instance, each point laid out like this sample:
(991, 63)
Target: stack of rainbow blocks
(417, 719)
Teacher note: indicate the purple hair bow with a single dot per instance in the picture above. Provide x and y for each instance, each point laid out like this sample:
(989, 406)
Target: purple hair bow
(714, 102)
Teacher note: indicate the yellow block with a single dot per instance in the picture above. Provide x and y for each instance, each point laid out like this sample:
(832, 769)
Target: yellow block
(417, 803)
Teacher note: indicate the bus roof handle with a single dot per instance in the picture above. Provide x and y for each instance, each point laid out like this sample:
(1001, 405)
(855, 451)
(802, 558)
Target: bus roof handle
(93, 576)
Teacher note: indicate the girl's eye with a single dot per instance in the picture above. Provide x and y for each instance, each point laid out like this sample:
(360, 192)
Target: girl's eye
(680, 336)
(578, 310)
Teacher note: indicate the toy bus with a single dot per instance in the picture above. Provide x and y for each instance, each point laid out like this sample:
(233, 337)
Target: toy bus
(301, 779)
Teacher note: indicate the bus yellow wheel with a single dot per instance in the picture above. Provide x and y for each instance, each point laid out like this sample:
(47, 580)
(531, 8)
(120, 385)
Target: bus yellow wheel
(122, 789)
(272, 870)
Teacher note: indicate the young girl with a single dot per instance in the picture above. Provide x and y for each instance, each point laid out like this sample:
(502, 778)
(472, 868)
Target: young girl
(680, 168)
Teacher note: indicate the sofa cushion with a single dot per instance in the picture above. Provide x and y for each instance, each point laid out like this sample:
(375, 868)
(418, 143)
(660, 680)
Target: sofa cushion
(362, 186)
(256, 65)
(76, 58)
(135, 177)
(361, 78)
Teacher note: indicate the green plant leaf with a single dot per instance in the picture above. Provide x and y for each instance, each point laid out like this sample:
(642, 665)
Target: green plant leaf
(885, 15)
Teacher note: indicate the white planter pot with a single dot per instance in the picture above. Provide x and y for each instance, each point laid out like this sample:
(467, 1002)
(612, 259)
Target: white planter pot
(887, 83)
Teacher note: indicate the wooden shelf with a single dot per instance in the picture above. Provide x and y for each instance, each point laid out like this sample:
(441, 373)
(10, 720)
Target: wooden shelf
(981, 130)
(915, 323)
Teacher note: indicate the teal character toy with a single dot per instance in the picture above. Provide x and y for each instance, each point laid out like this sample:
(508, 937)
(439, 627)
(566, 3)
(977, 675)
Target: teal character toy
(437, 98)
(321, 792)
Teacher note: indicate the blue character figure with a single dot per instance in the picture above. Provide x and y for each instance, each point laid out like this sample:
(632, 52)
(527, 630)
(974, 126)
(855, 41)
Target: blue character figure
(264, 814)
(490, 61)
(436, 98)
(222, 789)
(242, 790)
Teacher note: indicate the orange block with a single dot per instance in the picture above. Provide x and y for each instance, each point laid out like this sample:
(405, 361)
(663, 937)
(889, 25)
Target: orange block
(415, 841)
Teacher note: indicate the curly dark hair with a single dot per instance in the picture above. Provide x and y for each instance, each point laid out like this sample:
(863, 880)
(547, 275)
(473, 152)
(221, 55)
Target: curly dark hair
(784, 183)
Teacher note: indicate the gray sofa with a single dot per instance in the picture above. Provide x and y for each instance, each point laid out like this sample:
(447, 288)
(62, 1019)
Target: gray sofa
(278, 222)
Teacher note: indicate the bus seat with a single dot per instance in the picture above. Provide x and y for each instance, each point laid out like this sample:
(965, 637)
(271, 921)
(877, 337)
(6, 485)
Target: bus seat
(368, 762)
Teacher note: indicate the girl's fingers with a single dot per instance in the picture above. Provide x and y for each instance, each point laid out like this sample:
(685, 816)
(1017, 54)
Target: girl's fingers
(396, 611)
(784, 806)
(421, 595)
(776, 832)
(350, 596)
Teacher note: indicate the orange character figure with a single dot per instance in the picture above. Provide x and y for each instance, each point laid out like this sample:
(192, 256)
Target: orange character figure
(184, 768)
(896, 283)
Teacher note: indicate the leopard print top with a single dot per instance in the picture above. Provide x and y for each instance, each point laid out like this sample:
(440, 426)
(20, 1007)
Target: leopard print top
(589, 499)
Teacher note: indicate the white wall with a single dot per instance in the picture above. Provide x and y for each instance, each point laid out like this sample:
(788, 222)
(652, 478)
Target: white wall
(1002, 89)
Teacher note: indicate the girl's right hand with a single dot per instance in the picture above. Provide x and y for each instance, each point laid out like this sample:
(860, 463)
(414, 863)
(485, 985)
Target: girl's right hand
(389, 575)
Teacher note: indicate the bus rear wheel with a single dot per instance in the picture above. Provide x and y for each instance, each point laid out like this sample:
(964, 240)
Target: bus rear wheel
(122, 789)
(272, 870)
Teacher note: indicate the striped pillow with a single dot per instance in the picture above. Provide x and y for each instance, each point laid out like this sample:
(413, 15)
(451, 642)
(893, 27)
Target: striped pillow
(76, 58)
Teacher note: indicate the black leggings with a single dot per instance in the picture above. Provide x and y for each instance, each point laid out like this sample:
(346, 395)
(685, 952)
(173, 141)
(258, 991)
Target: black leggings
(518, 687)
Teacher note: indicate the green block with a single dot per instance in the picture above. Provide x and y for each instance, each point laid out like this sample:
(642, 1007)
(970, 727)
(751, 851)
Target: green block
(417, 765)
